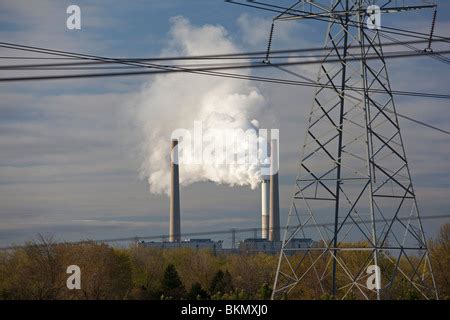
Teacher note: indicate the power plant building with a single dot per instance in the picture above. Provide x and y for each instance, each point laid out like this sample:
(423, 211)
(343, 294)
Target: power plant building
(254, 245)
(189, 243)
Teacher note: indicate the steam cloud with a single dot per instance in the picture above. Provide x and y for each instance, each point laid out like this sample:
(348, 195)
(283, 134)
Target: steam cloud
(173, 101)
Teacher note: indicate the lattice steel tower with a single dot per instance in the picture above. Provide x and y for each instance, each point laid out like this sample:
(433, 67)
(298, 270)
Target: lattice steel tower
(353, 194)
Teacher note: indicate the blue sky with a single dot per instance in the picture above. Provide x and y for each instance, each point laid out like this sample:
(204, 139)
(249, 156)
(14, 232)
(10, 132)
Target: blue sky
(68, 160)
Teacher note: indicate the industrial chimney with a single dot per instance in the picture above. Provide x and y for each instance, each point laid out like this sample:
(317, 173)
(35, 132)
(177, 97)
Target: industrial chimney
(174, 229)
(265, 196)
(274, 205)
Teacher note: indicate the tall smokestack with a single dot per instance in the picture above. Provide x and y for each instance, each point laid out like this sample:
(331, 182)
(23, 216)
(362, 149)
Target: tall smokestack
(265, 208)
(274, 205)
(174, 229)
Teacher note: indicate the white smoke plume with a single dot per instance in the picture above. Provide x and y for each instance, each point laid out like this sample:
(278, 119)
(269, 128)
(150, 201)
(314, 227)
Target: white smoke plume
(173, 101)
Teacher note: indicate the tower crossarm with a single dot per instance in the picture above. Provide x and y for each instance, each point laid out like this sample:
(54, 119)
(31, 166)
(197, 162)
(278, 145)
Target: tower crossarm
(314, 9)
(342, 14)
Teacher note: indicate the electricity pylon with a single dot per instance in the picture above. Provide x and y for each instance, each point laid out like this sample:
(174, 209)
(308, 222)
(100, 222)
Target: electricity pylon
(354, 186)
(354, 189)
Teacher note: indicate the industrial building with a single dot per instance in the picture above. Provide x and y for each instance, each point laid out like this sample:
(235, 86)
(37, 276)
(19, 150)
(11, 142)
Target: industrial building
(247, 246)
(189, 243)
(254, 245)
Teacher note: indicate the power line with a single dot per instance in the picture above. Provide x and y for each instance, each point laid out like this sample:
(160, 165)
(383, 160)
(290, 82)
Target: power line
(207, 71)
(243, 57)
(162, 69)
(423, 123)
(33, 58)
(309, 82)
(411, 47)
(93, 65)
(260, 55)
(85, 65)
(400, 115)
(224, 75)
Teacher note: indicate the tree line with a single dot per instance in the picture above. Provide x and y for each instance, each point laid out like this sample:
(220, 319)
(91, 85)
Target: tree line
(37, 270)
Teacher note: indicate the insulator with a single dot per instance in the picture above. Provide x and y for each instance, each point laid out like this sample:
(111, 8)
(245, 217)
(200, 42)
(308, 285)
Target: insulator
(266, 60)
(433, 23)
